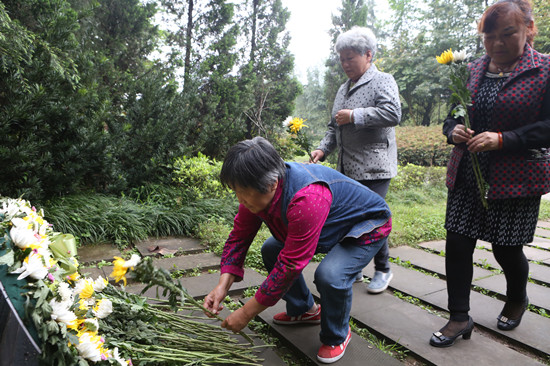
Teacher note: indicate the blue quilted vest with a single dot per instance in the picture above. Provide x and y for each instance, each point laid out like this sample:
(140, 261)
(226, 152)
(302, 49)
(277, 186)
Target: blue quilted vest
(355, 209)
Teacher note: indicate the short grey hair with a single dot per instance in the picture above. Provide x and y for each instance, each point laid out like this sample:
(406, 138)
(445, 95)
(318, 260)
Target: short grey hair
(358, 39)
(252, 164)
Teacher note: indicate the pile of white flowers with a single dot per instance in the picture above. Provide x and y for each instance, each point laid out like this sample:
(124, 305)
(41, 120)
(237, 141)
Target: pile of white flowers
(46, 260)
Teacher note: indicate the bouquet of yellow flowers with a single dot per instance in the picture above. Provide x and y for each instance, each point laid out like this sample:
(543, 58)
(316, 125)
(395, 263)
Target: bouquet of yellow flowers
(294, 126)
(461, 99)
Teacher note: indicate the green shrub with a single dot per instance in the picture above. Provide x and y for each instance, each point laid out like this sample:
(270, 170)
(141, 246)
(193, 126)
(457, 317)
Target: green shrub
(214, 233)
(417, 199)
(95, 218)
(414, 176)
(420, 145)
(199, 176)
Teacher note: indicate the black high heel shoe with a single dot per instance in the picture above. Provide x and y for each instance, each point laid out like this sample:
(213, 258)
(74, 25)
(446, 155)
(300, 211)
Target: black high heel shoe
(504, 323)
(439, 340)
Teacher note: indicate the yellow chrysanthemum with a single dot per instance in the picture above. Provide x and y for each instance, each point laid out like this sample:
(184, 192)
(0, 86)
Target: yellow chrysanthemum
(120, 270)
(446, 57)
(75, 324)
(87, 289)
(296, 124)
(73, 277)
(83, 305)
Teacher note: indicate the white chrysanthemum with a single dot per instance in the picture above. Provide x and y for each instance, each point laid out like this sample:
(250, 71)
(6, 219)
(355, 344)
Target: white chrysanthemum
(23, 237)
(132, 262)
(103, 308)
(117, 358)
(33, 266)
(99, 284)
(84, 288)
(459, 56)
(65, 291)
(89, 347)
(61, 312)
(91, 324)
(11, 208)
(286, 122)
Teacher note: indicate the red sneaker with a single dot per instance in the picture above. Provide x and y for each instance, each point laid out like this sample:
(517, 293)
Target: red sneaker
(305, 318)
(330, 354)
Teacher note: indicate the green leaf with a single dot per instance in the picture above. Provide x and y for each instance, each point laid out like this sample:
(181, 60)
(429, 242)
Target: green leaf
(7, 259)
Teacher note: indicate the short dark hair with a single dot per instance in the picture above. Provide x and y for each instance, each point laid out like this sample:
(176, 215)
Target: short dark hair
(253, 164)
(521, 10)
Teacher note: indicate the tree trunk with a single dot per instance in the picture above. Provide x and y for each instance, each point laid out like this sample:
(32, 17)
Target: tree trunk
(188, 35)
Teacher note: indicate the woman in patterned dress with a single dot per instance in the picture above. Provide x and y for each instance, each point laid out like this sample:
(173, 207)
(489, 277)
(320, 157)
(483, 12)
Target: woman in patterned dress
(510, 116)
(366, 109)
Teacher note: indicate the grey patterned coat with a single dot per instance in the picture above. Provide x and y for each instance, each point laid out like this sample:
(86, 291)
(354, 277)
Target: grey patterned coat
(366, 148)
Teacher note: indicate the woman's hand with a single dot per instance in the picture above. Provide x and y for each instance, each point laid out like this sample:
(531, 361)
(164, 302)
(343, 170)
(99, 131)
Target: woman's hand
(343, 116)
(238, 319)
(316, 155)
(461, 134)
(213, 300)
(485, 141)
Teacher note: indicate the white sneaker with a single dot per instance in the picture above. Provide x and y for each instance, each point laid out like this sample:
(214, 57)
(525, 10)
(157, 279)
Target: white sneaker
(379, 282)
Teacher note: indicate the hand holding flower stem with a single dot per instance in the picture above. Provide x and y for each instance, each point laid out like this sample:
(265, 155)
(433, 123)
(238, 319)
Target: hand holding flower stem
(461, 99)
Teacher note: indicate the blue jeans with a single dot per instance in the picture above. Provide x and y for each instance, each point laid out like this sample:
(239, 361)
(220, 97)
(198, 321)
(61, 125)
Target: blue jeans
(381, 259)
(334, 278)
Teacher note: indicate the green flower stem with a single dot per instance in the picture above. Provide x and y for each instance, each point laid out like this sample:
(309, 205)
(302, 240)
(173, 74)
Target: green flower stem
(481, 183)
(157, 353)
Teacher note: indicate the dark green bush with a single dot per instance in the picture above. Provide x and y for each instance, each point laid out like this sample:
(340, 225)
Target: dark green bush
(420, 145)
(413, 176)
(199, 177)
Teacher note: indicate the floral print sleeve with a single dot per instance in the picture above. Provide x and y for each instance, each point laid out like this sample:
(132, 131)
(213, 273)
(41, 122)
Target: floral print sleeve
(306, 215)
(245, 228)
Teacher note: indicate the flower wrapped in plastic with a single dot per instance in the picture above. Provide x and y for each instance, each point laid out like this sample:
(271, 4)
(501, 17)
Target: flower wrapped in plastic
(461, 99)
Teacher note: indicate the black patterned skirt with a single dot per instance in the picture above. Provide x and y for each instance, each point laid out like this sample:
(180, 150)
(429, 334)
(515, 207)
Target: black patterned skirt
(506, 222)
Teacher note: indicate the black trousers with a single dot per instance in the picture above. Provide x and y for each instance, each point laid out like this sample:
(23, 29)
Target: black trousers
(459, 269)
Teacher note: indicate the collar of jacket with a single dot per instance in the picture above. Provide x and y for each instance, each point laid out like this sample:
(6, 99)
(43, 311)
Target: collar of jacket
(529, 60)
(365, 78)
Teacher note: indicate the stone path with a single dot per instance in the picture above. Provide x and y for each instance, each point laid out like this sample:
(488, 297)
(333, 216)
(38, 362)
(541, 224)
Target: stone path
(405, 315)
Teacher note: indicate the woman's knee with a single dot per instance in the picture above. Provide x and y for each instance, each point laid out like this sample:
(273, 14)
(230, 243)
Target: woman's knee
(270, 250)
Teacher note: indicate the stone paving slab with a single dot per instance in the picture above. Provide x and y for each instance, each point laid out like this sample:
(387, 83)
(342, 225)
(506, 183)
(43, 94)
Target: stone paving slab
(429, 261)
(169, 245)
(94, 272)
(202, 261)
(543, 231)
(534, 329)
(539, 242)
(305, 338)
(544, 224)
(98, 253)
(267, 354)
(538, 295)
(411, 326)
(201, 285)
(538, 272)
(531, 334)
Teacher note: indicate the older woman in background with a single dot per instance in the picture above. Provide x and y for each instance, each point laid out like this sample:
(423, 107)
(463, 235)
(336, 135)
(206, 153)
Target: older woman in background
(510, 116)
(365, 111)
